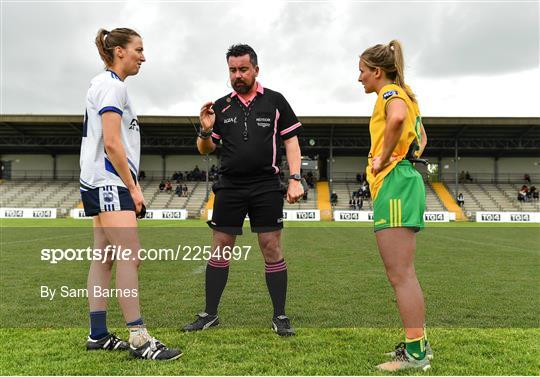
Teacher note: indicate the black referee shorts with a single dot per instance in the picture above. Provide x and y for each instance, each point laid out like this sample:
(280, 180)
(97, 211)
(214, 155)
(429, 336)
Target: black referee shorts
(261, 200)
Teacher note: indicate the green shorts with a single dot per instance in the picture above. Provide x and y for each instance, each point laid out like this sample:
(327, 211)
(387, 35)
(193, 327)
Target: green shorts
(401, 200)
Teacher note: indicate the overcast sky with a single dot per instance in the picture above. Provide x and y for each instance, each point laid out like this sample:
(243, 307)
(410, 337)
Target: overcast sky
(462, 58)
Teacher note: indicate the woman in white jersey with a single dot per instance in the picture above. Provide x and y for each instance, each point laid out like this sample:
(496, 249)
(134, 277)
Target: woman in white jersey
(110, 153)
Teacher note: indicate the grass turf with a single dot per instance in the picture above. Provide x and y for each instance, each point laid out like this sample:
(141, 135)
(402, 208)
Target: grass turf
(480, 284)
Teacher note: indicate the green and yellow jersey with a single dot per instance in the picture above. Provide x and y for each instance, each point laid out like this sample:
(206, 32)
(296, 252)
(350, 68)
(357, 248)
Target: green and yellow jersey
(409, 139)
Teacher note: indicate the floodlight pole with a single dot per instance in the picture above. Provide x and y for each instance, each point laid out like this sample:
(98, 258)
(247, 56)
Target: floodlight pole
(55, 171)
(457, 168)
(330, 161)
(163, 166)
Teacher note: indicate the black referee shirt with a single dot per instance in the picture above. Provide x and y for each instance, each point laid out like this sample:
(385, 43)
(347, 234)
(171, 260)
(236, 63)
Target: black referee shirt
(257, 152)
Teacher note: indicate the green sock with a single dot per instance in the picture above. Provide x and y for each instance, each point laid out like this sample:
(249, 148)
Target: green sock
(416, 347)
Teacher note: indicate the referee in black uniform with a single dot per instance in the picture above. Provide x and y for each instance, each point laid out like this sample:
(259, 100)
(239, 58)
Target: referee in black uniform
(249, 124)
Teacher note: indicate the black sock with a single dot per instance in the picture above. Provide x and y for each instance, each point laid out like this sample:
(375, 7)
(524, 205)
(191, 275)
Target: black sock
(276, 281)
(217, 272)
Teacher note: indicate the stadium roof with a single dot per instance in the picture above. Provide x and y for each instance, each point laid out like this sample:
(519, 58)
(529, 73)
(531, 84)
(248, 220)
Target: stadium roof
(496, 137)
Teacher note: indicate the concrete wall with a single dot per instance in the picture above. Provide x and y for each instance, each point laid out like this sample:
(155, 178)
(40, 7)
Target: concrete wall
(30, 164)
(349, 164)
(67, 166)
(483, 168)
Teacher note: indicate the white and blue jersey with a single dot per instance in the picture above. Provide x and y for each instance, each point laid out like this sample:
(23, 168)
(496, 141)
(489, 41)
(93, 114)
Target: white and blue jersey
(107, 93)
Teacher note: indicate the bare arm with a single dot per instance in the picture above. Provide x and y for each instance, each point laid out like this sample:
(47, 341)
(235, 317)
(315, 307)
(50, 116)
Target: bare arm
(207, 117)
(294, 158)
(205, 146)
(396, 113)
(112, 141)
(423, 142)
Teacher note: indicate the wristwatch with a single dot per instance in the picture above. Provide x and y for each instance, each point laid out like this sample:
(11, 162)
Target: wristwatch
(296, 177)
(205, 135)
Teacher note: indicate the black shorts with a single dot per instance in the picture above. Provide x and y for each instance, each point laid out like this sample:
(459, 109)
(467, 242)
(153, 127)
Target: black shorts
(107, 198)
(261, 200)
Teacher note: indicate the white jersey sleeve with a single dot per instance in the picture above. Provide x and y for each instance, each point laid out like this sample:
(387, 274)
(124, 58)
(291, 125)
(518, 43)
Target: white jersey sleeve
(111, 97)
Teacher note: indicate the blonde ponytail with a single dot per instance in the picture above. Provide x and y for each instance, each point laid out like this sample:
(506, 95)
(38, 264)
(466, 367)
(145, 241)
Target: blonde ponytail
(389, 58)
(399, 63)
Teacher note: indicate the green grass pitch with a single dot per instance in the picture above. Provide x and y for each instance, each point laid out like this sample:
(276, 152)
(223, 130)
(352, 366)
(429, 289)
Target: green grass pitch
(480, 282)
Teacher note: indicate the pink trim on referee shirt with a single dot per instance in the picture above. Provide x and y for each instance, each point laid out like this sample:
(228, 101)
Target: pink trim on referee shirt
(293, 127)
(225, 109)
(246, 102)
(216, 136)
(276, 169)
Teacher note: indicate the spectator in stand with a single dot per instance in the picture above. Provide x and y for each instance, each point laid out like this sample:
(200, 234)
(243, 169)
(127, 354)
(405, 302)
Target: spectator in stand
(333, 198)
(161, 186)
(178, 190)
(185, 190)
(523, 193)
(468, 177)
(359, 203)
(534, 193)
(460, 200)
(142, 175)
(462, 177)
(529, 193)
(168, 186)
(527, 178)
(366, 192)
(196, 173)
(177, 176)
(351, 203)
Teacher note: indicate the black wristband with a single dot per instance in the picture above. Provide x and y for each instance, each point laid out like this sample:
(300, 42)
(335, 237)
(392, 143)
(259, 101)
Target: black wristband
(204, 135)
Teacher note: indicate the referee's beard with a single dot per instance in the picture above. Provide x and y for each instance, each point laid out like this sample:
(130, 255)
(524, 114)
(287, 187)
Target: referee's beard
(241, 87)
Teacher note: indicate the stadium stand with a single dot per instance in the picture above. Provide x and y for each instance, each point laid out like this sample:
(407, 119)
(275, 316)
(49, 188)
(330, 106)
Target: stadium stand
(344, 191)
(323, 200)
(157, 199)
(448, 200)
(196, 200)
(310, 203)
(493, 197)
(31, 193)
(39, 160)
(433, 202)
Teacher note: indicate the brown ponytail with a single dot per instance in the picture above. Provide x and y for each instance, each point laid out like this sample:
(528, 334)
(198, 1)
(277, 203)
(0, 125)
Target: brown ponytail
(389, 58)
(106, 41)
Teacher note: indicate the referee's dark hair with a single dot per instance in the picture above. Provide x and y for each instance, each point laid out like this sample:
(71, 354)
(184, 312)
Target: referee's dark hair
(241, 50)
